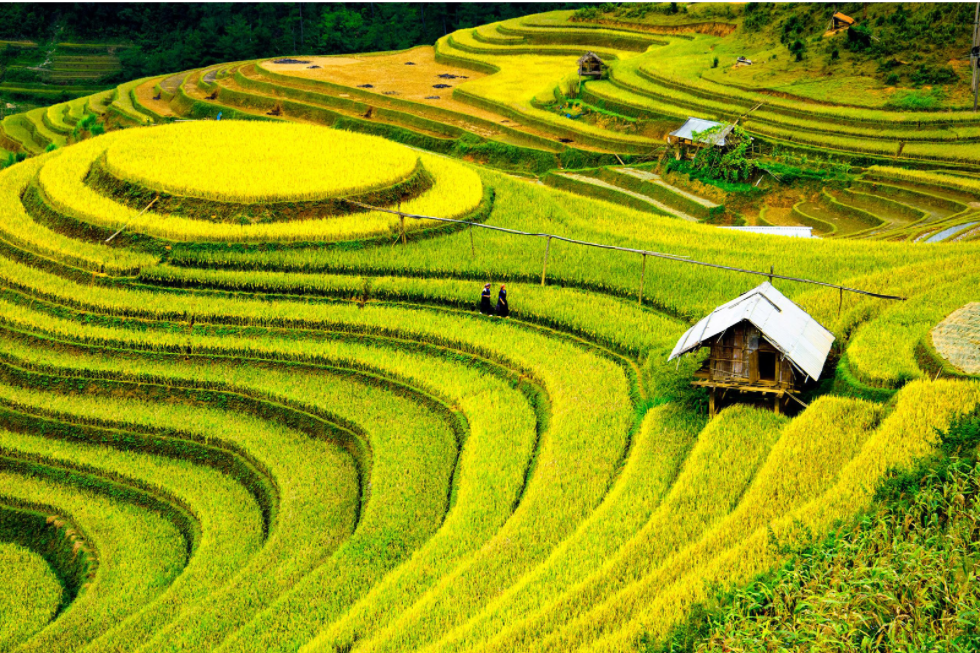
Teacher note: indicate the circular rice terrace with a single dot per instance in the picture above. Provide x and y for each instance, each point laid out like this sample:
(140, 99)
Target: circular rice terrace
(244, 182)
(253, 437)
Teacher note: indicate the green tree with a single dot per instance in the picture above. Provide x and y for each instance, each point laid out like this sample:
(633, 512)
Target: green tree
(731, 162)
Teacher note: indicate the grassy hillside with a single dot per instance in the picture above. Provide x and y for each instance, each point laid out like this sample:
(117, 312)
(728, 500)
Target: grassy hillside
(245, 406)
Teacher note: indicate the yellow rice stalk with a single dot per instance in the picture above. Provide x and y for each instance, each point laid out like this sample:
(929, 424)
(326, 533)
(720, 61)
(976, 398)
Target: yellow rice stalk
(249, 162)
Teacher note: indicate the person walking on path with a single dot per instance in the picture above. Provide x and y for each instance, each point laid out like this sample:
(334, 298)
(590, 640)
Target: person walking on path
(485, 306)
(503, 309)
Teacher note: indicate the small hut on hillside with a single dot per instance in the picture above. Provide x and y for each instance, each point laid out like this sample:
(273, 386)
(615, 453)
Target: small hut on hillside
(685, 136)
(839, 21)
(590, 65)
(760, 343)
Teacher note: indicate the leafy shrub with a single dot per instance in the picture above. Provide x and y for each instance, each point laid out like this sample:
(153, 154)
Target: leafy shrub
(916, 100)
(858, 38)
(12, 158)
(587, 13)
(730, 164)
(798, 48)
(892, 79)
(926, 74)
(687, 167)
(20, 75)
(714, 63)
(757, 15)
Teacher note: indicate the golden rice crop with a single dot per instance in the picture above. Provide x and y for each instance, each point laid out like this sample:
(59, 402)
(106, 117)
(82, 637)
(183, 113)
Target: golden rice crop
(965, 184)
(29, 594)
(140, 553)
(724, 460)
(558, 364)
(17, 228)
(457, 190)
(802, 465)
(250, 161)
(909, 432)
(665, 438)
(882, 352)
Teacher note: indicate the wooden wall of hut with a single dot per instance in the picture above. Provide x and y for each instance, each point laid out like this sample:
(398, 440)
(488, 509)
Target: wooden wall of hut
(742, 356)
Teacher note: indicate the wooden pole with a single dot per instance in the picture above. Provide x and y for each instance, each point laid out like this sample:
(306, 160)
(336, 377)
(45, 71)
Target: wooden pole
(472, 246)
(402, 218)
(544, 269)
(643, 274)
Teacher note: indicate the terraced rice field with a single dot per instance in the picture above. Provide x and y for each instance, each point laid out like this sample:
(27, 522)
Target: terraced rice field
(319, 442)
(243, 408)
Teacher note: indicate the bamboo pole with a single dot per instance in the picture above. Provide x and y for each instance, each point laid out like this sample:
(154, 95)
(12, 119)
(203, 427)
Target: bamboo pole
(544, 269)
(643, 274)
(672, 257)
(472, 246)
(113, 236)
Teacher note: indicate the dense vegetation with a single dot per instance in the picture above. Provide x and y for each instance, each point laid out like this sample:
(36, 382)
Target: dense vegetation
(167, 38)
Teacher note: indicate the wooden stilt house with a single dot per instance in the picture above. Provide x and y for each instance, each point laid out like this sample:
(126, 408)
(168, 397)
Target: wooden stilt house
(761, 343)
(591, 66)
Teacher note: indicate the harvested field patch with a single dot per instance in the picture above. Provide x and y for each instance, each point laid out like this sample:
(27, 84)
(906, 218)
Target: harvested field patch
(957, 338)
(147, 97)
(383, 73)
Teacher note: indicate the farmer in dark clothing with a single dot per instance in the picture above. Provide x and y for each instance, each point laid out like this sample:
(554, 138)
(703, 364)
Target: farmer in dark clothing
(485, 306)
(503, 310)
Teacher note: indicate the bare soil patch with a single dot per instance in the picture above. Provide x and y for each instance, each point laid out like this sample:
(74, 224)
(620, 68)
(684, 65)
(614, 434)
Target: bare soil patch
(386, 73)
(410, 75)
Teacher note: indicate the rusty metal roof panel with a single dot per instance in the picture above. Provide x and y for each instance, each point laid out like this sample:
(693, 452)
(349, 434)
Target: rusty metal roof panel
(788, 327)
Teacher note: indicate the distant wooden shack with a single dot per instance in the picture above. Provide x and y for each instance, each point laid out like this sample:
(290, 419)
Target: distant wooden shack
(590, 65)
(760, 343)
(743, 61)
(686, 134)
(839, 21)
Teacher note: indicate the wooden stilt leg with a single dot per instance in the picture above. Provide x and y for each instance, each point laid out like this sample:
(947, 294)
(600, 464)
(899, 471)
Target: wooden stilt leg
(711, 403)
(776, 403)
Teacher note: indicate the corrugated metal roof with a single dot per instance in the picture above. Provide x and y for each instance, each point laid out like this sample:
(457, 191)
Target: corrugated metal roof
(784, 324)
(796, 232)
(698, 125)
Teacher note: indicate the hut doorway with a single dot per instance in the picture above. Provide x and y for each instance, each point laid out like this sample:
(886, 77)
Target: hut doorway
(767, 366)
